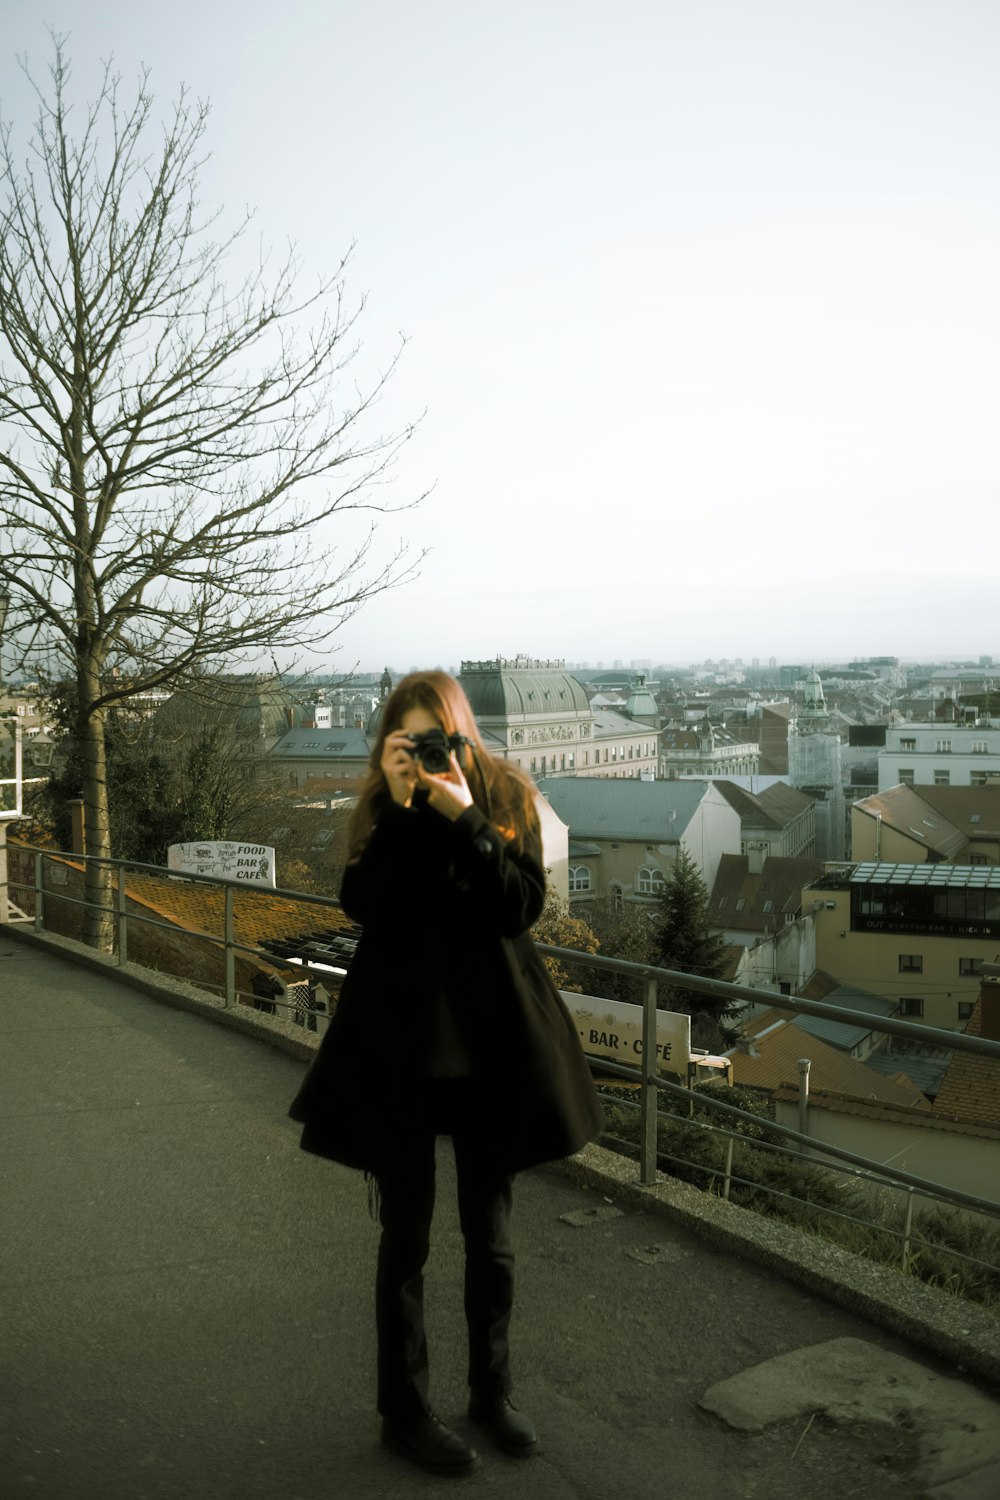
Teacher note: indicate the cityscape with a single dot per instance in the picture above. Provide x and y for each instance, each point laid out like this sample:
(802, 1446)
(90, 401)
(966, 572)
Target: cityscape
(634, 366)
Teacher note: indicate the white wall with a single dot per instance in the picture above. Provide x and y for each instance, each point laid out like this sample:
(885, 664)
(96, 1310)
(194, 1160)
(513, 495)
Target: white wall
(968, 1163)
(713, 831)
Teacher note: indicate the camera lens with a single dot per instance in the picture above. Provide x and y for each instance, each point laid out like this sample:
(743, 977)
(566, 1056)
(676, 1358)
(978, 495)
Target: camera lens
(435, 759)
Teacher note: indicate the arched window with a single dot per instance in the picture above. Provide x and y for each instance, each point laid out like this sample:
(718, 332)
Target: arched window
(615, 896)
(651, 881)
(579, 879)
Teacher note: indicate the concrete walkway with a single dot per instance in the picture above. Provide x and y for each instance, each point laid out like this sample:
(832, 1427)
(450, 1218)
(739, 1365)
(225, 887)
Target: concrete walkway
(185, 1300)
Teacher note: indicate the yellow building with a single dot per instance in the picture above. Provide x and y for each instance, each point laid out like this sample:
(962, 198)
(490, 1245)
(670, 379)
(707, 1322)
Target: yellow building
(913, 824)
(917, 934)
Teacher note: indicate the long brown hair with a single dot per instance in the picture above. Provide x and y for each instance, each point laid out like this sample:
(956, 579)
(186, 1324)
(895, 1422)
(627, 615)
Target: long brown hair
(502, 791)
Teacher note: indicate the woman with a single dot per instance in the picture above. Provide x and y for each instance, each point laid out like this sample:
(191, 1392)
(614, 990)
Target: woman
(447, 1023)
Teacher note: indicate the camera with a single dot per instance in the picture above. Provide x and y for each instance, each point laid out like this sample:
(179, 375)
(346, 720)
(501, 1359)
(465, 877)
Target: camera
(433, 749)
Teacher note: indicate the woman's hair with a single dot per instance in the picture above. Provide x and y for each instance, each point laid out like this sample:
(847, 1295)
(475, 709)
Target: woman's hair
(500, 790)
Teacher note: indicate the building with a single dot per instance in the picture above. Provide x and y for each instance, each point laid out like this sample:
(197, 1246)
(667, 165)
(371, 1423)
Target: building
(706, 750)
(914, 824)
(773, 738)
(768, 1058)
(917, 934)
(941, 754)
(814, 766)
(302, 756)
(538, 715)
(777, 821)
(956, 1142)
(748, 905)
(624, 837)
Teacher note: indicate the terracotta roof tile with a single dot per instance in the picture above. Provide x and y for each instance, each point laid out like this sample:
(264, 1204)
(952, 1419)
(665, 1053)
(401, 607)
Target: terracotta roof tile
(970, 1090)
(775, 1064)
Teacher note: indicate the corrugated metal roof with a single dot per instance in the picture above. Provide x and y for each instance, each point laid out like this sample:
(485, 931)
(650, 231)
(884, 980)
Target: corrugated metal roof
(965, 876)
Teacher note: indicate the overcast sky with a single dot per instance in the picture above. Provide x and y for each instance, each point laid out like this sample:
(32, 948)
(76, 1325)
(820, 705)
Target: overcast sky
(701, 300)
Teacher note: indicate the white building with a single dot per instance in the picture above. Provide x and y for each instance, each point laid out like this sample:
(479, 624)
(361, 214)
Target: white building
(942, 754)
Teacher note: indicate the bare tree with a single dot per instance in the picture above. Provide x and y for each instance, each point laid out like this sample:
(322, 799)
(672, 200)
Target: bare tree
(171, 449)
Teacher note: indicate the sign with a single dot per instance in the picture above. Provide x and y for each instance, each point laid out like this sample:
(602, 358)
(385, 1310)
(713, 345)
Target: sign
(253, 863)
(611, 1028)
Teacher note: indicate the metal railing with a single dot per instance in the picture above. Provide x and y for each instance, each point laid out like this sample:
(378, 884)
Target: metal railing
(779, 1139)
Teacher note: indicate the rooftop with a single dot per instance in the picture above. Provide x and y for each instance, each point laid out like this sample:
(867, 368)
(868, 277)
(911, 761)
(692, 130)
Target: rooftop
(626, 808)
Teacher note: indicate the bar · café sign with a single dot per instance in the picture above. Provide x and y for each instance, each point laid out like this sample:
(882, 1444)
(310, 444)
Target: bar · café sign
(224, 860)
(611, 1028)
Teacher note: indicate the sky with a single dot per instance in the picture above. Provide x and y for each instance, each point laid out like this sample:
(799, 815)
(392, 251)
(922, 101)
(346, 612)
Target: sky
(700, 302)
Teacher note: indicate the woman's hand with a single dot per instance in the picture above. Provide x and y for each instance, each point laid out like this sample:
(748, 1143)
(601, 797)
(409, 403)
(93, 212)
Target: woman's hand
(448, 793)
(399, 767)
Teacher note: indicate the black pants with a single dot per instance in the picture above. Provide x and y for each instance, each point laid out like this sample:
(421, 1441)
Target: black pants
(406, 1208)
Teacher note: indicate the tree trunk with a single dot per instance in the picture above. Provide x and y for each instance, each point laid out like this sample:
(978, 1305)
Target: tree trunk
(98, 919)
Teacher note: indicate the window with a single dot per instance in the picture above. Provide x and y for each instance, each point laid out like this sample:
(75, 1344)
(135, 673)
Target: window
(911, 1006)
(905, 777)
(965, 1009)
(970, 966)
(769, 905)
(979, 778)
(979, 859)
(943, 747)
(911, 963)
(651, 881)
(907, 744)
(741, 901)
(942, 778)
(723, 902)
(980, 747)
(615, 894)
(579, 878)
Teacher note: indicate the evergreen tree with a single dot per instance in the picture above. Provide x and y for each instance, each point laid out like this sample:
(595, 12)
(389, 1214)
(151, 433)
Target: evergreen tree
(686, 942)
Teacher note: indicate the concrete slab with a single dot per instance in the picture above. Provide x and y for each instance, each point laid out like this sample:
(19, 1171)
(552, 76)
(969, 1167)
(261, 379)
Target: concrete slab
(850, 1381)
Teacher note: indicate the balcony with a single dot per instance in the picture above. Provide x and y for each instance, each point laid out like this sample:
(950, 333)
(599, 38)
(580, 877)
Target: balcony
(188, 1297)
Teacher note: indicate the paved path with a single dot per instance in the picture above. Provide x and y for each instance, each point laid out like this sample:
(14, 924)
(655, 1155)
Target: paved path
(185, 1297)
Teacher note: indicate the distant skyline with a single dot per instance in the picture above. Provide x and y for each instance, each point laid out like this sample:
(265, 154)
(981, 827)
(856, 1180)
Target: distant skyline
(701, 301)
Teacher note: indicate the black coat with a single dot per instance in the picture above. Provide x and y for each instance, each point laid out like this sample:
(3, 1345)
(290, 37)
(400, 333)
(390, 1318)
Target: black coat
(446, 906)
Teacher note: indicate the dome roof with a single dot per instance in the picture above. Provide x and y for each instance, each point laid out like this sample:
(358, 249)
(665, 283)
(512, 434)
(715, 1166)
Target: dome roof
(522, 688)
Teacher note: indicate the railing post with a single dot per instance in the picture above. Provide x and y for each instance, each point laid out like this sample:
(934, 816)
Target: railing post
(39, 910)
(648, 1096)
(804, 1064)
(907, 1226)
(230, 953)
(729, 1169)
(122, 919)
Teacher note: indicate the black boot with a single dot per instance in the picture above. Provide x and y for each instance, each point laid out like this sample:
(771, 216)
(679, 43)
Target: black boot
(509, 1428)
(425, 1440)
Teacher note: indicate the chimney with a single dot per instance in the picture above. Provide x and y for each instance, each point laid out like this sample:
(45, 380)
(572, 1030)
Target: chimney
(989, 1000)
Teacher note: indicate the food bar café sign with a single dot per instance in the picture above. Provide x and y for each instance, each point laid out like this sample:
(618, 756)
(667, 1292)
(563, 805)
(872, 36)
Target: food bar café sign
(610, 1028)
(253, 863)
